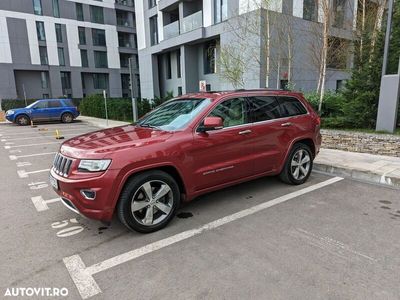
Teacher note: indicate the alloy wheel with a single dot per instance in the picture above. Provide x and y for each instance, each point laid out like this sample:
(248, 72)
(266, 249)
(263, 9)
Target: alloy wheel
(300, 164)
(152, 202)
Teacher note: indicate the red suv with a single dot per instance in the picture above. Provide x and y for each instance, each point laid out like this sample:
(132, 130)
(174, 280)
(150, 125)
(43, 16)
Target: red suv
(186, 147)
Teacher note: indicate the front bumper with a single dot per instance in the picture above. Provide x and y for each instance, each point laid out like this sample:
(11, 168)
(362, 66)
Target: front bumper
(101, 208)
(10, 118)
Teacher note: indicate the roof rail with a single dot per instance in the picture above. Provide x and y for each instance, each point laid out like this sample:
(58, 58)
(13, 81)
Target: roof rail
(246, 90)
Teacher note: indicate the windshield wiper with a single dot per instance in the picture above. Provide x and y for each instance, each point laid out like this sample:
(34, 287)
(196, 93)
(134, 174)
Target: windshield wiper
(149, 126)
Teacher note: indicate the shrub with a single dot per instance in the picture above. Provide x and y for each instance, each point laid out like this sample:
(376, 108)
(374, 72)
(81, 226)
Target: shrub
(7, 104)
(332, 103)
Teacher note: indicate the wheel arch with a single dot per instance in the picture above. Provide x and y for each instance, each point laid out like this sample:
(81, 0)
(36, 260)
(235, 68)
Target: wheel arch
(302, 140)
(22, 114)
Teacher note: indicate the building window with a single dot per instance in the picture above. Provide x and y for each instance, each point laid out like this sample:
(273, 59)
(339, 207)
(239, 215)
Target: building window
(125, 81)
(209, 56)
(99, 37)
(153, 30)
(152, 3)
(46, 96)
(84, 58)
(82, 35)
(59, 33)
(179, 91)
(178, 63)
(56, 9)
(44, 80)
(338, 10)
(79, 11)
(65, 81)
(96, 14)
(40, 31)
(37, 7)
(220, 10)
(100, 59)
(168, 71)
(43, 55)
(100, 81)
(61, 57)
(339, 85)
(310, 10)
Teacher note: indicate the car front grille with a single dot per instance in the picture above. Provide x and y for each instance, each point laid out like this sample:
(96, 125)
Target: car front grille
(62, 165)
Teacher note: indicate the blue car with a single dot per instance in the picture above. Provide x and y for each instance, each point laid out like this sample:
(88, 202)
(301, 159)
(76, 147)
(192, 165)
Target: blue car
(44, 110)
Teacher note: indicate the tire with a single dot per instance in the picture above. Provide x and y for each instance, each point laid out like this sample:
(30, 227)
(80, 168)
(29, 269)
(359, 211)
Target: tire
(139, 213)
(293, 171)
(23, 120)
(67, 118)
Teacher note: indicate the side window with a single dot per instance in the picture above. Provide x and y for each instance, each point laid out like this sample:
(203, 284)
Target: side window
(291, 106)
(233, 112)
(42, 105)
(68, 103)
(54, 104)
(265, 108)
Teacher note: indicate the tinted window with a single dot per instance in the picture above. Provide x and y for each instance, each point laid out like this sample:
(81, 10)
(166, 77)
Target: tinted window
(233, 112)
(54, 104)
(291, 106)
(68, 103)
(265, 108)
(41, 105)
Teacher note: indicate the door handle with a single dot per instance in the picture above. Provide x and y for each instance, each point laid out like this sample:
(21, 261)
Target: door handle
(287, 124)
(245, 132)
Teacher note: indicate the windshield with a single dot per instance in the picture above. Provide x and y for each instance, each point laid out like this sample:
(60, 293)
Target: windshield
(32, 105)
(174, 115)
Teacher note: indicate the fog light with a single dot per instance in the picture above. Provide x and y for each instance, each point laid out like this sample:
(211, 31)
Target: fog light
(88, 194)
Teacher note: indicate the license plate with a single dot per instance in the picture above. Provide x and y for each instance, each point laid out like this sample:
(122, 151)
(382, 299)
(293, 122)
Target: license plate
(53, 182)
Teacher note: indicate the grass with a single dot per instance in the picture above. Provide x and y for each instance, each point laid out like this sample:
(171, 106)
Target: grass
(366, 130)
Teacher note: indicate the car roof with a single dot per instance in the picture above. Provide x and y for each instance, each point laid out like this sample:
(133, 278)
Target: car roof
(214, 95)
(53, 99)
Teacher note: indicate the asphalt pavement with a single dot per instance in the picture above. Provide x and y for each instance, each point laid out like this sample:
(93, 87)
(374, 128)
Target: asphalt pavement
(330, 238)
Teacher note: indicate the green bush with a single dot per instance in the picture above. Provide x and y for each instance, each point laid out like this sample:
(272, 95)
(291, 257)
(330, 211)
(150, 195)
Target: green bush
(332, 103)
(118, 108)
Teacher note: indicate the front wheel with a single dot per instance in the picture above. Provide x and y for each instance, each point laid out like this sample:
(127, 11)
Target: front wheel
(22, 120)
(298, 165)
(148, 201)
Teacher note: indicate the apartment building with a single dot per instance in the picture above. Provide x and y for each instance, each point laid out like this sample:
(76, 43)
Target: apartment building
(72, 48)
(180, 43)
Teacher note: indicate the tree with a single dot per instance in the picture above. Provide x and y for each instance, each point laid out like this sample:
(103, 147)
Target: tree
(232, 65)
(394, 47)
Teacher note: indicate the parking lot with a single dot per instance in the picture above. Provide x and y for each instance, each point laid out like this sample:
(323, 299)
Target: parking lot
(331, 238)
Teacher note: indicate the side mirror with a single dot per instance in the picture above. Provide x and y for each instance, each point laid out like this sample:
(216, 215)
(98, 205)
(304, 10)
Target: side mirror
(211, 123)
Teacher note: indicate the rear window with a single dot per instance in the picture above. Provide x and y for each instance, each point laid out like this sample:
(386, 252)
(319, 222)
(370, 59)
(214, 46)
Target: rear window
(68, 102)
(265, 108)
(54, 104)
(291, 106)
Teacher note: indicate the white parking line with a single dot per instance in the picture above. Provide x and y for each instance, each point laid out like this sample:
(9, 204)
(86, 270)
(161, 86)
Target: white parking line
(82, 276)
(15, 157)
(41, 205)
(29, 145)
(41, 136)
(88, 129)
(24, 174)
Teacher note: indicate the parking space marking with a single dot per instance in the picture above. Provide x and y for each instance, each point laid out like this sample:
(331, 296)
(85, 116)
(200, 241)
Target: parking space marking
(82, 276)
(41, 204)
(41, 136)
(87, 129)
(15, 157)
(23, 164)
(24, 174)
(29, 145)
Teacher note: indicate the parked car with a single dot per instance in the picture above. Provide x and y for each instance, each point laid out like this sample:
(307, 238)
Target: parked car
(188, 146)
(44, 110)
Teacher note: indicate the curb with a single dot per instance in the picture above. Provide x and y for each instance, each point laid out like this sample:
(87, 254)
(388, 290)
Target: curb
(102, 122)
(360, 175)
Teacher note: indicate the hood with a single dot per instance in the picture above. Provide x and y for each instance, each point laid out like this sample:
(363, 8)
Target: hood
(17, 110)
(100, 143)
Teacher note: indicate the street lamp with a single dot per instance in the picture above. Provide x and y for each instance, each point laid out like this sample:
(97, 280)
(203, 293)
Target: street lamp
(134, 102)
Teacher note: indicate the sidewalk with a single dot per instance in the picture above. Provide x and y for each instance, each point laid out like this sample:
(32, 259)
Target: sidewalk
(101, 122)
(360, 166)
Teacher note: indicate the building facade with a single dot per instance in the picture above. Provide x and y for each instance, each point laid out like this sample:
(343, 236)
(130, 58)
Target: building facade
(180, 43)
(71, 48)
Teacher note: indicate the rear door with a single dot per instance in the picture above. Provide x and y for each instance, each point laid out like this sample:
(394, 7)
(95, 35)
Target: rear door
(39, 111)
(269, 133)
(55, 109)
(224, 155)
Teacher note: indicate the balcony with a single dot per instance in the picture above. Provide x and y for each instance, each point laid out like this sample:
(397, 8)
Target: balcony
(125, 2)
(192, 22)
(171, 30)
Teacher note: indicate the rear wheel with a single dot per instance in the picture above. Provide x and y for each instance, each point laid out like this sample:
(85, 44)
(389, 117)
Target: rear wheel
(23, 120)
(67, 118)
(149, 201)
(298, 166)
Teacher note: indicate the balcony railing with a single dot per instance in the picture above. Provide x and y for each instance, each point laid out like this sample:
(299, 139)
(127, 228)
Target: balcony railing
(192, 22)
(124, 2)
(123, 22)
(171, 30)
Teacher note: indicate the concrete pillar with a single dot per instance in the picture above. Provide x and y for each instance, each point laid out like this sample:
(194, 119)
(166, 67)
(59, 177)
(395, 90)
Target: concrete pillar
(76, 83)
(388, 103)
(55, 83)
(190, 69)
(114, 81)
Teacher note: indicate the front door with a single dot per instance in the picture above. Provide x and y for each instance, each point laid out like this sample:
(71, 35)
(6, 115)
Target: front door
(224, 155)
(40, 112)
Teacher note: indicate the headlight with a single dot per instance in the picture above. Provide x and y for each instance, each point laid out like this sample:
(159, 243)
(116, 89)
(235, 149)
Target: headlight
(9, 112)
(94, 165)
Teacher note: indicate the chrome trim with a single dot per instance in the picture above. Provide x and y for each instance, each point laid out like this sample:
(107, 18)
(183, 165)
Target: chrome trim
(70, 206)
(82, 192)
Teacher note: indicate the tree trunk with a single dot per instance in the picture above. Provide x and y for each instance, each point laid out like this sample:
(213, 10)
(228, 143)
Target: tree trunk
(377, 27)
(267, 50)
